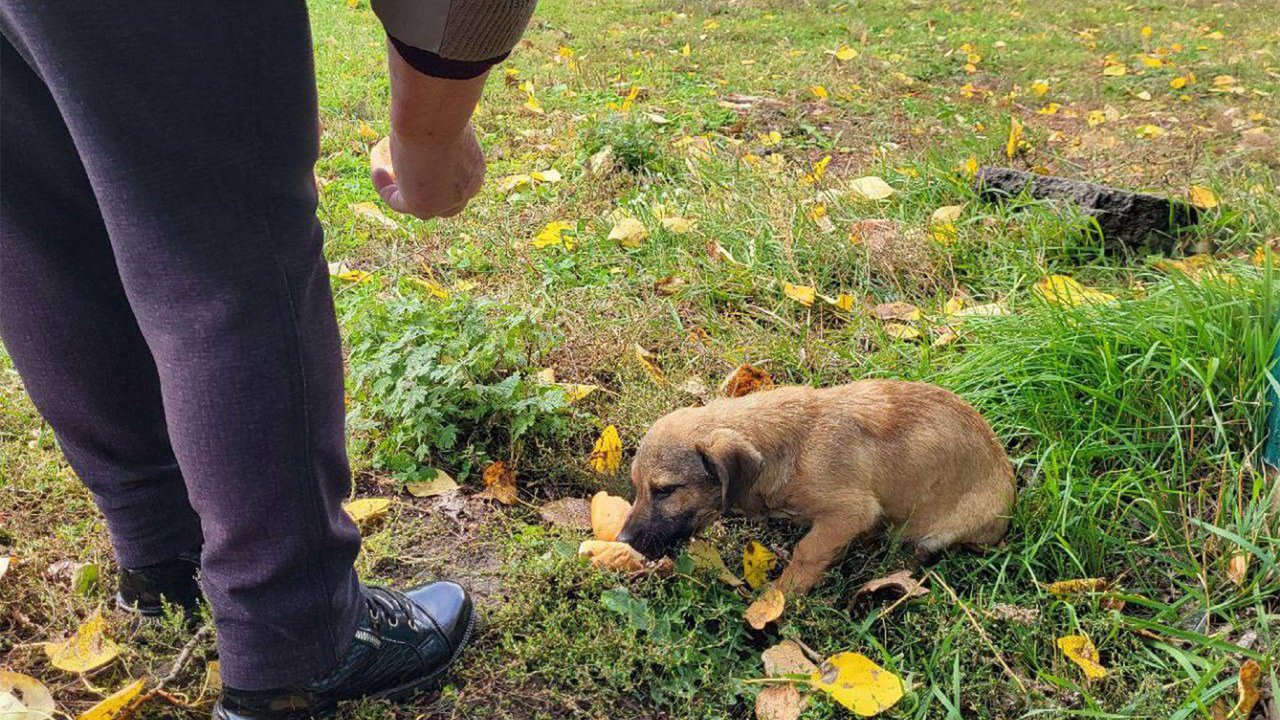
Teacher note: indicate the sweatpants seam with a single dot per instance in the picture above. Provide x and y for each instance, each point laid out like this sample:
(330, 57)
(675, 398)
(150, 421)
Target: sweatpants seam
(298, 388)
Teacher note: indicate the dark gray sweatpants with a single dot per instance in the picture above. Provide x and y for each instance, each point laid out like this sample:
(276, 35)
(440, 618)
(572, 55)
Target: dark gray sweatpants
(164, 298)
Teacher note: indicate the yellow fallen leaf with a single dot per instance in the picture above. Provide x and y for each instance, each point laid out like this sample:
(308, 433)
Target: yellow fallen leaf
(550, 175)
(900, 331)
(1115, 70)
(857, 683)
(89, 649)
(1014, 143)
(372, 213)
(111, 707)
(803, 294)
(706, 557)
(1064, 290)
(969, 168)
(1078, 586)
(954, 304)
(1149, 132)
(577, 391)
(1178, 83)
(499, 483)
(946, 214)
(677, 225)
(1259, 258)
(986, 310)
(757, 562)
(629, 232)
(438, 485)
(1039, 87)
(23, 697)
(512, 183)
(556, 232)
(608, 515)
(870, 187)
(1095, 118)
(606, 456)
(367, 133)
(1202, 197)
(649, 362)
(843, 301)
(779, 702)
(616, 556)
(819, 92)
(845, 53)
(1049, 109)
(1080, 650)
(1193, 266)
(367, 510)
(1247, 689)
(766, 608)
(745, 380)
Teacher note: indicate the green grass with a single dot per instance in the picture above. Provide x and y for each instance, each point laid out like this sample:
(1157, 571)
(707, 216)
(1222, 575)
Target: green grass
(1134, 425)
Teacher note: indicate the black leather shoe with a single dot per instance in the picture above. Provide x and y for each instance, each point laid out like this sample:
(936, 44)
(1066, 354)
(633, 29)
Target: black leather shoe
(404, 644)
(145, 590)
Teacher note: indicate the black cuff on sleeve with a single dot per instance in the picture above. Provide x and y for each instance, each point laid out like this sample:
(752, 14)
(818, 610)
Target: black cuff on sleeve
(429, 63)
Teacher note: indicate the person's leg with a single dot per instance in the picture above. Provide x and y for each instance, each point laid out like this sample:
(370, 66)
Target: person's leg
(67, 326)
(196, 125)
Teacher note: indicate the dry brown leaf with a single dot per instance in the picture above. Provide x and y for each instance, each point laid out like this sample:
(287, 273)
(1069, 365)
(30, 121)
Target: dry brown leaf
(1238, 568)
(616, 556)
(1247, 688)
(899, 583)
(570, 513)
(608, 515)
(499, 483)
(767, 608)
(745, 380)
(779, 702)
(900, 311)
(786, 658)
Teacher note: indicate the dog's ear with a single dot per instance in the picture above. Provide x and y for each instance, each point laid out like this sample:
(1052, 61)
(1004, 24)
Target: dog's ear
(735, 461)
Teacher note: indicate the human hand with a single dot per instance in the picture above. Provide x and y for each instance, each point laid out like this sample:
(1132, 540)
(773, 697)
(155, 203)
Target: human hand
(431, 177)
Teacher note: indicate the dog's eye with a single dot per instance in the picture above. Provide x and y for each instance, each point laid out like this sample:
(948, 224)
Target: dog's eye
(665, 491)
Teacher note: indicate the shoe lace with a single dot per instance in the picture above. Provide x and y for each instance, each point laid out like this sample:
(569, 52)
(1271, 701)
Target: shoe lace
(387, 608)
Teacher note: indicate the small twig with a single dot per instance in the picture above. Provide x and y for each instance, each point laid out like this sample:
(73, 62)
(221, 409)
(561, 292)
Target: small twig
(184, 656)
(981, 633)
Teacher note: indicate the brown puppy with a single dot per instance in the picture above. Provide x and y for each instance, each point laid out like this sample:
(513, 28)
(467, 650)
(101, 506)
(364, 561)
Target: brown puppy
(839, 459)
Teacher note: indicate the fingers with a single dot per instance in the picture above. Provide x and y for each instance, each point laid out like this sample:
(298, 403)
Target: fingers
(389, 190)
